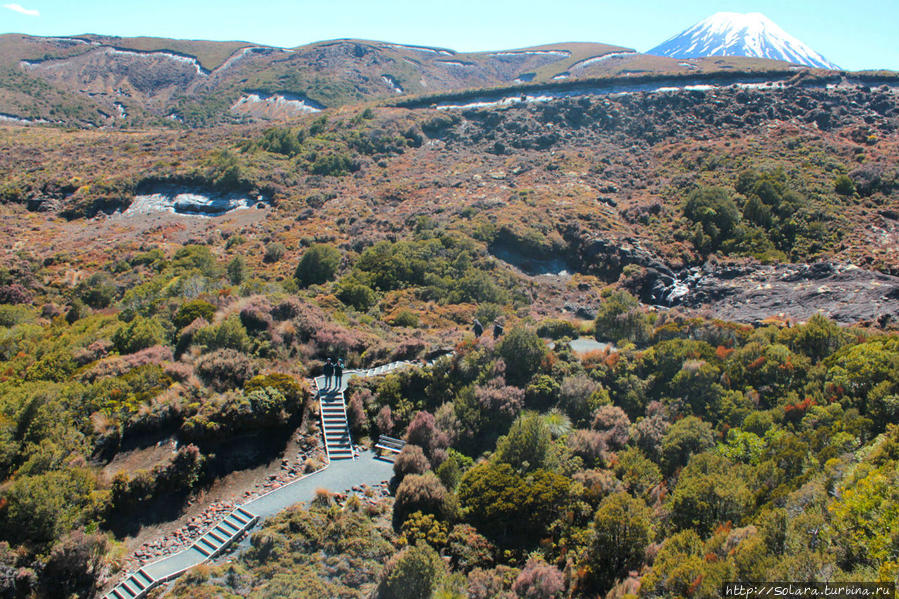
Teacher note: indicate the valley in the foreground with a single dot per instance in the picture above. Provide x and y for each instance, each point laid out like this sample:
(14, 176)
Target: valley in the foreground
(167, 293)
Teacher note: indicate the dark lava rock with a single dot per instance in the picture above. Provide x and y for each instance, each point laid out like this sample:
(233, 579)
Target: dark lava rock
(606, 258)
(842, 292)
(581, 311)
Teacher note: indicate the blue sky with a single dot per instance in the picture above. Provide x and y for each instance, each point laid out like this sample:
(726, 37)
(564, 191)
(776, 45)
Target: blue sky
(856, 35)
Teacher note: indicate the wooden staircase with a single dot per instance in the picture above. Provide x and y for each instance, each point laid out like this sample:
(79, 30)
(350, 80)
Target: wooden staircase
(338, 443)
(137, 584)
(220, 536)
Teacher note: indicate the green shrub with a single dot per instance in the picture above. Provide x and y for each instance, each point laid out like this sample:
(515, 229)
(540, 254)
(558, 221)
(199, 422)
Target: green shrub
(230, 333)
(317, 265)
(843, 185)
(195, 257)
(11, 316)
(619, 318)
(523, 352)
(273, 252)
(556, 328)
(192, 310)
(294, 393)
(358, 295)
(413, 573)
(405, 318)
(98, 291)
(715, 215)
(237, 270)
(138, 334)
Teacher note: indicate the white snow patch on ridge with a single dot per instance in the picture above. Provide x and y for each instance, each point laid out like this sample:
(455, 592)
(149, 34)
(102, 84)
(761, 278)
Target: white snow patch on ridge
(421, 49)
(170, 55)
(615, 90)
(455, 63)
(392, 83)
(601, 58)
(284, 101)
(244, 52)
(737, 34)
(9, 118)
(532, 53)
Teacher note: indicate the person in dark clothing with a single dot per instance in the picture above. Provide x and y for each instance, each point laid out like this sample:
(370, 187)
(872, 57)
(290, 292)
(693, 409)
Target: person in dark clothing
(338, 374)
(328, 370)
(497, 329)
(478, 328)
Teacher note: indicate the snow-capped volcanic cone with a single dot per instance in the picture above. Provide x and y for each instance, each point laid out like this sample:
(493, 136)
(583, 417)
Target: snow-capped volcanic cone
(736, 34)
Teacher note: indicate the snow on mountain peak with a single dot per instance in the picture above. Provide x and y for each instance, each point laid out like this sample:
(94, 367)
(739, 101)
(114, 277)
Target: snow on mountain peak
(740, 34)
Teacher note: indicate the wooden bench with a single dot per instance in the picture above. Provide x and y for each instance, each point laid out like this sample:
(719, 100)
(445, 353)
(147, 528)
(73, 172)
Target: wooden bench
(390, 444)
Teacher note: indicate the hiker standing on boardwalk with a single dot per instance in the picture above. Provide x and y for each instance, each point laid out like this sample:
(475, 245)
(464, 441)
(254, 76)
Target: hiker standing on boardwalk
(328, 370)
(338, 373)
(478, 328)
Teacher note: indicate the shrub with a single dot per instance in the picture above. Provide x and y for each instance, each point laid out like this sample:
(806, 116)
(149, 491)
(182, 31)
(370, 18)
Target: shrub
(505, 505)
(619, 317)
(422, 431)
(527, 443)
(274, 251)
(138, 334)
(74, 564)
(421, 493)
(255, 316)
(556, 328)
(356, 414)
(236, 270)
(40, 508)
(413, 573)
(543, 391)
(195, 257)
(192, 310)
(288, 309)
(710, 490)
(411, 460)
(539, 580)
(225, 369)
(714, 213)
(614, 424)
(384, 420)
(589, 445)
(580, 396)
(317, 265)
(97, 291)
(468, 549)
(522, 350)
(358, 295)
(404, 318)
(498, 399)
(11, 316)
(294, 393)
(621, 531)
(119, 365)
(15, 294)
(843, 185)
(425, 528)
(76, 311)
(686, 437)
(230, 333)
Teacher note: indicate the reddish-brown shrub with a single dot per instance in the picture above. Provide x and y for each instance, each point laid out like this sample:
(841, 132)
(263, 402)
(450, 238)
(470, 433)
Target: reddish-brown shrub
(539, 580)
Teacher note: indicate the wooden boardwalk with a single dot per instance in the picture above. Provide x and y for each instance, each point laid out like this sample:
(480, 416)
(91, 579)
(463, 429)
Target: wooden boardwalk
(344, 471)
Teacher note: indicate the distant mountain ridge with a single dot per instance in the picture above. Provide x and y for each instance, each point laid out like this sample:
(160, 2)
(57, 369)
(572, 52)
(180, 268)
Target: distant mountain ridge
(737, 34)
(106, 81)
